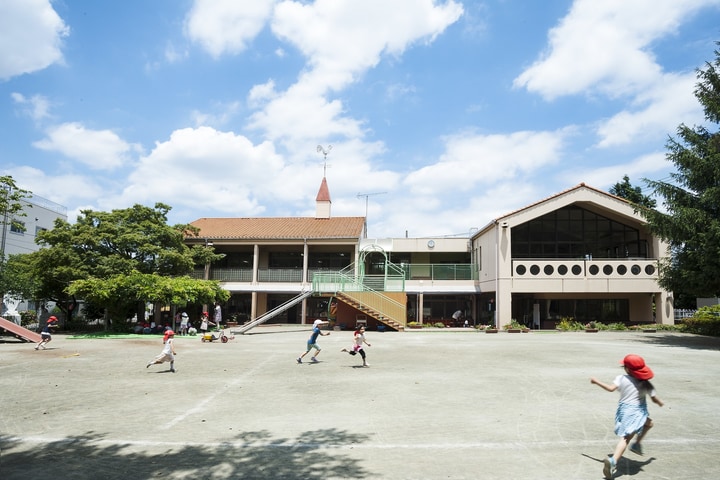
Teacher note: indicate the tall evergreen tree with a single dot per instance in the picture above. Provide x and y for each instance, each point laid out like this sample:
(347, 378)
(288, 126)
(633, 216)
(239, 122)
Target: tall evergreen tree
(691, 222)
(632, 194)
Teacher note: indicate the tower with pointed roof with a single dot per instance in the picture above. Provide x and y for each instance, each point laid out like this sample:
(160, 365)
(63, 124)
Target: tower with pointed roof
(322, 201)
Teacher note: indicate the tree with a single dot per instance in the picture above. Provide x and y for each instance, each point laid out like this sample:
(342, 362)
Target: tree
(116, 258)
(11, 207)
(691, 224)
(632, 194)
(119, 290)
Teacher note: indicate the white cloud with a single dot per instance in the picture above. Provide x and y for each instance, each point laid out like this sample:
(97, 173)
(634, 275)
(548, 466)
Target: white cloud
(64, 189)
(339, 46)
(338, 41)
(36, 107)
(605, 177)
(604, 46)
(226, 26)
(204, 167)
(224, 113)
(660, 109)
(97, 149)
(31, 34)
(485, 159)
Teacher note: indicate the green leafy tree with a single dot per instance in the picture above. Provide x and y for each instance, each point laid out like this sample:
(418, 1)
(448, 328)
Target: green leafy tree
(115, 259)
(632, 194)
(691, 224)
(11, 208)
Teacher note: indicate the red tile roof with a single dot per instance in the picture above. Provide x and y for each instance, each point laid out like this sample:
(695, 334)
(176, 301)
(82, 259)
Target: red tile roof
(324, 192)
(280, 228)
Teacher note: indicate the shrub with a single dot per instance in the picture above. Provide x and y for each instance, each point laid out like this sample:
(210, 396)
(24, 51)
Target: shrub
(617, 326)
(705, 321)
(28, 317)
(439, 325)
(569, 324)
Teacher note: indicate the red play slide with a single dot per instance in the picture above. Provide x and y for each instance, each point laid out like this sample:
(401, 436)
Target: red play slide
(17, 331)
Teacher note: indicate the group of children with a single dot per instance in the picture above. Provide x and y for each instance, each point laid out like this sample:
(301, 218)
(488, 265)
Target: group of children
(357, 347)
(632, 420)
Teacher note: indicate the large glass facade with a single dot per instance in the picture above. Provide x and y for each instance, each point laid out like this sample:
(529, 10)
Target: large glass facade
(573, 232)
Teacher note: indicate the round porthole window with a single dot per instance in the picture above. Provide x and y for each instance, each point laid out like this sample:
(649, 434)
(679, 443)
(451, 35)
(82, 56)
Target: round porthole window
(594, 269)
(521, 270)
(534, 269)
(649, 269)
(635, 270)
(576, 270)
(607, 269)
(622, 269)
(562, 269)
(548, 270)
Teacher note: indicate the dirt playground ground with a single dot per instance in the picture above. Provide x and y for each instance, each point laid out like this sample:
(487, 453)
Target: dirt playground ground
(440, 404)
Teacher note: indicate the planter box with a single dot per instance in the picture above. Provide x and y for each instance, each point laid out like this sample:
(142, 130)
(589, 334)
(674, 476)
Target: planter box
(514, 330)
(591, 330)
(491, 330)
(231, 324)
(649, 330)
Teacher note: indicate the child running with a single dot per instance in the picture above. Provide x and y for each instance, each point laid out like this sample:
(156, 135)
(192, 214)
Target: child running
(631, 416)
(168, 352)
(359, 339)
(46, 334)
(312, 342)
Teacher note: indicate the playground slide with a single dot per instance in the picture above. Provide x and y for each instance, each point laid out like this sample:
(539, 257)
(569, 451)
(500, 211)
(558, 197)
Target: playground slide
(19, 332)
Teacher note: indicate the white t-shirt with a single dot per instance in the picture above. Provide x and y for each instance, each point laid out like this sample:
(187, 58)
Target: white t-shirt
(633, 391)
(167, 349)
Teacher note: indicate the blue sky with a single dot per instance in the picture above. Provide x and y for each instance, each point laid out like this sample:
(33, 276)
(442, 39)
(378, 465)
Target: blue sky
(448, 113)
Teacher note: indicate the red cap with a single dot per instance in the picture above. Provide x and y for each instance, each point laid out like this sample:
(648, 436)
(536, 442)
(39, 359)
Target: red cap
(52, 318)
(636, 367)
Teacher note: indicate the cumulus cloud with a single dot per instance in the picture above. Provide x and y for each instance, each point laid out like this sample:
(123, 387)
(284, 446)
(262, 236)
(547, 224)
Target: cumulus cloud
(486, 158)
(36, 107)
(658, 112)
(226, 26)
(96, 149)
(604, 177)
(604, 47)
(31, 35)
(214, 169)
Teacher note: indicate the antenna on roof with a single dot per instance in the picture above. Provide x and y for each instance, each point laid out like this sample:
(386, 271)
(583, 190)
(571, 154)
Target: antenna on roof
(325, 152)
(368, 195)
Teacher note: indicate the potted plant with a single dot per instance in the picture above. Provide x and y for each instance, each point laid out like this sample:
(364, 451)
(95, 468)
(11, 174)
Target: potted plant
(415, 325)
(490, 329)
(513, 327)
(591, 327)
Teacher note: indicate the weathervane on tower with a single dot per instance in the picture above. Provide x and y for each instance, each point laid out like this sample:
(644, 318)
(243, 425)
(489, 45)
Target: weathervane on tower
(325, 152)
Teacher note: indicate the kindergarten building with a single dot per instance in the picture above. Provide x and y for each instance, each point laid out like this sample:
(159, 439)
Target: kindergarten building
(581, 254)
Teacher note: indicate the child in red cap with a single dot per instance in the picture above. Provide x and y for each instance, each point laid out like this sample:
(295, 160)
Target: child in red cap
(168, 353)
(631, 416)
(45, 336)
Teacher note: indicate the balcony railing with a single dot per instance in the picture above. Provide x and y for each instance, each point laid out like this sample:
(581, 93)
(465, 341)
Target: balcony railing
(440, 271)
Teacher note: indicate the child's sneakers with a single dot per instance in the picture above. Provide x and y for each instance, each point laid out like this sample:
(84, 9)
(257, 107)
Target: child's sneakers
(314, 360)
(298, 359)
(636, 448)
(609, 467)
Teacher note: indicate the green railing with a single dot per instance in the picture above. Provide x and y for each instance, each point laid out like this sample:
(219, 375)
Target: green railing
(440, 271)
(393, 281)
(334, 282)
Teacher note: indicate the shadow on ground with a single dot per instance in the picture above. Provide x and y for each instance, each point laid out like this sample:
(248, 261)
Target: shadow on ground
(251, 455)
(685, 340)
